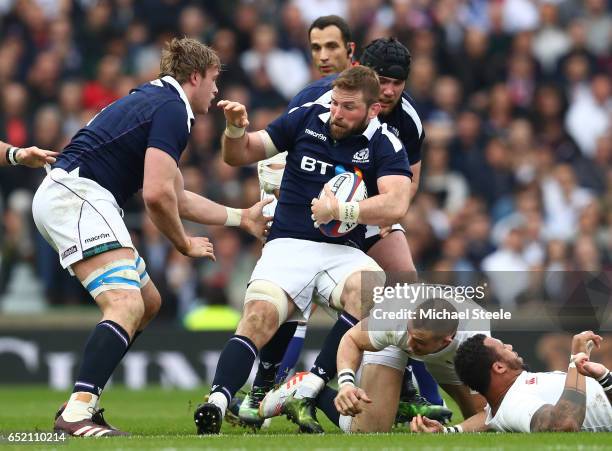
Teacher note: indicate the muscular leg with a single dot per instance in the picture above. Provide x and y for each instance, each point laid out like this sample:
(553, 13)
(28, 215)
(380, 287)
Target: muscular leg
(383, 385)
(258, 324)
(324, 366)
(392, 253)
(152, 303)
(122, 311)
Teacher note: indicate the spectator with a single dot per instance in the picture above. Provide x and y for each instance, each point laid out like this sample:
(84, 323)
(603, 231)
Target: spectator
(590, 114)
(286, 69)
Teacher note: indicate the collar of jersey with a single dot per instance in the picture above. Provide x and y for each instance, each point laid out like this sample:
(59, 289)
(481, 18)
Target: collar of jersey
(175, 84)
(368, 132)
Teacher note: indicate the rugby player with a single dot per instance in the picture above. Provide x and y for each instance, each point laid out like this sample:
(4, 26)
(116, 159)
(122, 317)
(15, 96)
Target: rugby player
(134, 143)
(32, 157)
(318, 137)
(522, 401)
(332, 51)
(391, 60)
(427, 339)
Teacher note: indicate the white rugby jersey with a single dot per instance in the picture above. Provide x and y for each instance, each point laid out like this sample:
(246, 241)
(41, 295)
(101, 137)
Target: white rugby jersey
(531, 391)
(397, 335)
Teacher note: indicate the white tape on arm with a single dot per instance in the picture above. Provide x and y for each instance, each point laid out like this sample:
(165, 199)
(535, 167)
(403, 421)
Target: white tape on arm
(231, 131)
(234, 215)
(269, 146)
(348, 211)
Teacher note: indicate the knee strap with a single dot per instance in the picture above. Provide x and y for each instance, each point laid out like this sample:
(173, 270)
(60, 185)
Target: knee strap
(118, 275)
(141, 268)
(264, 290)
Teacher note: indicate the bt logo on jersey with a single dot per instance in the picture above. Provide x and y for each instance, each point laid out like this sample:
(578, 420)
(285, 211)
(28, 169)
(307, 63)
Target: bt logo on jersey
(310, 164)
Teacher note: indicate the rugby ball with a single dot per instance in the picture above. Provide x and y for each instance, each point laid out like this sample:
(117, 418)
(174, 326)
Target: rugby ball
(347, 187)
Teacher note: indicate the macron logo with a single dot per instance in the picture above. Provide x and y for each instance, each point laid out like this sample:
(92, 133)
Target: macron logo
(97, 237)
(320, 136)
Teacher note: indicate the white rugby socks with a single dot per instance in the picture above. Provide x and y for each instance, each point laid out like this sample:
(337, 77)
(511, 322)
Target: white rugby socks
(219, 400)
(345, 423)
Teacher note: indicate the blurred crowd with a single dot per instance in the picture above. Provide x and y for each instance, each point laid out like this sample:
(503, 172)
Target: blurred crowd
(515, 97)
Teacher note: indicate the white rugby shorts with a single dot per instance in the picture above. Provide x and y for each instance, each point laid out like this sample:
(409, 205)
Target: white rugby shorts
(302, 268)
(78, 217)
(441, 368)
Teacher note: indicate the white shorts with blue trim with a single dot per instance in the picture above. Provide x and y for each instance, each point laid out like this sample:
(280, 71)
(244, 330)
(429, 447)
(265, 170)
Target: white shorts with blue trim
(78, 217)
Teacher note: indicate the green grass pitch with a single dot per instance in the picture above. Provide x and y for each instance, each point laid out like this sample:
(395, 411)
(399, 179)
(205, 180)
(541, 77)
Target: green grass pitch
(162, 420)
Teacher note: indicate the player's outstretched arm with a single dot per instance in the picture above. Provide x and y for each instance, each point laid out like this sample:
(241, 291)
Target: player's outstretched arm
(598, 372)
(569, 412)
(475, 423)
(32, 157)
(350, 351)
(238, 147)
(159, 195)
(196, 208)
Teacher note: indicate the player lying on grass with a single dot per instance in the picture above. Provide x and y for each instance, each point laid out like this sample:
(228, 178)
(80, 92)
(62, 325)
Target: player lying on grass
(521, 401)
(298, 259)
(134, 143)
(32, 157)
(331, 50)
(432, 341)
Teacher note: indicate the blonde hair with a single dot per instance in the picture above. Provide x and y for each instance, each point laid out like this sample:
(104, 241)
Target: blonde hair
(182, 57)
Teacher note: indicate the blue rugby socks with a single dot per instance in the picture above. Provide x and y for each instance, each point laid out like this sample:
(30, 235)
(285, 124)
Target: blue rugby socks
(292, 354)
(271, 355)
(233, 370)
(103, 351)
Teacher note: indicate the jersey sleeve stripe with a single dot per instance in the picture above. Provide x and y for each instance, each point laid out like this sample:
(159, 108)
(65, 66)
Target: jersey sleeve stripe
(409, 109)
(324, 100)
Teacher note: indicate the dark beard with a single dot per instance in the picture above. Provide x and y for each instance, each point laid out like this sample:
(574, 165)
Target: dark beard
(341, 133)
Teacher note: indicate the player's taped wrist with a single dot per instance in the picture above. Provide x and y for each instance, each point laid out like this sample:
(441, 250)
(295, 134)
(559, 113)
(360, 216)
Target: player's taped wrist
(346, 377)
(606, 381)
(457, 429)
(234, 216)
(348, 211)
(231, 131)
(573, 359)
(11, 155)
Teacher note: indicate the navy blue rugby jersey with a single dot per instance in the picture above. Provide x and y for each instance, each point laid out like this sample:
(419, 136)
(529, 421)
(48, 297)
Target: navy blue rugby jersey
(403, 120)
(110, 149)
(313, 159)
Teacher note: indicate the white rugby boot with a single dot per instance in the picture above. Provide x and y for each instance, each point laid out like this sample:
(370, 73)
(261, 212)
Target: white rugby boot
(273, 403)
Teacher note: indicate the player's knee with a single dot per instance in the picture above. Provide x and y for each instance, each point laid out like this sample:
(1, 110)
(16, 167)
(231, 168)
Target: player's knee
(259, 322)
(351, 292)
(354, 293)
(124, 307)
(266, 292)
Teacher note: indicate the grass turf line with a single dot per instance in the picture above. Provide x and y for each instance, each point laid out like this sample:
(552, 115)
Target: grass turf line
(163, 419)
